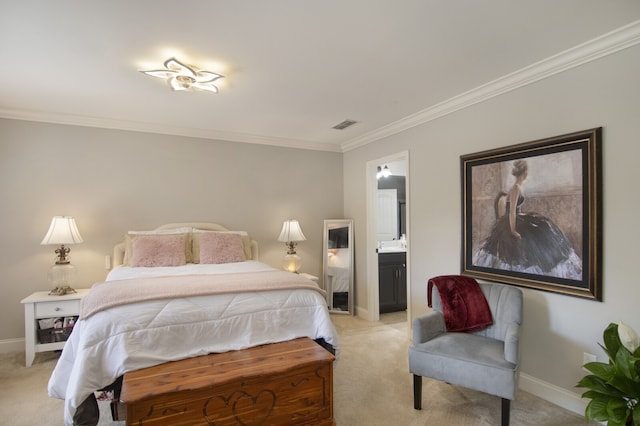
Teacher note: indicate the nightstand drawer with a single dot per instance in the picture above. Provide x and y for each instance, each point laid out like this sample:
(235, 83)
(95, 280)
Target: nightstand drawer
(57, 308)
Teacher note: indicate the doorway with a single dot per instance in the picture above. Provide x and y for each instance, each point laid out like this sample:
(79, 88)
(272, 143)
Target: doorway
(388, 233)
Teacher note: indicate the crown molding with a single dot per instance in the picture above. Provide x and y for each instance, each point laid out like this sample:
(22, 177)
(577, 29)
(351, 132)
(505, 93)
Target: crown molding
(607, 44)
(74, 120)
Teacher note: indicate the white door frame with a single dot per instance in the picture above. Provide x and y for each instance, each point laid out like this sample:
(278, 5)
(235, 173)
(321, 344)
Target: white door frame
(373, 311)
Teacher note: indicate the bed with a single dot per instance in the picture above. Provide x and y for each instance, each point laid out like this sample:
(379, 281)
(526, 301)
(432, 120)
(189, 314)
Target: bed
(180, 291)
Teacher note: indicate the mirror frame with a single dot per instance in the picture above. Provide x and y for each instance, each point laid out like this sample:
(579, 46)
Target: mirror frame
(330, 224)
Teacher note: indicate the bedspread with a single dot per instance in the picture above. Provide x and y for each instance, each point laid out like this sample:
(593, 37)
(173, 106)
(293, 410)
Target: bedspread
(139, 335)
(107, 294)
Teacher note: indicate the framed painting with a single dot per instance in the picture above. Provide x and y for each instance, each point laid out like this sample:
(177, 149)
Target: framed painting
(532, 214)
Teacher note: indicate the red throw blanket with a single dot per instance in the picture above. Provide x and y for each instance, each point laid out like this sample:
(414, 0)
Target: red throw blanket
(463, 304)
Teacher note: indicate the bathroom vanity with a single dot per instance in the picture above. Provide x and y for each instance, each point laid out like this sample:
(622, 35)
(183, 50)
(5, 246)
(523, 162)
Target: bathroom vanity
(392, 278)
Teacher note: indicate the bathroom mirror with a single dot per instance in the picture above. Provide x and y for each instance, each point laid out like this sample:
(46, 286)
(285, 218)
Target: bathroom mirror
(338, 265)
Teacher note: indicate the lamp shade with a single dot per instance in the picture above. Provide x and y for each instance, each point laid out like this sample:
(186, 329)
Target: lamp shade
(63, 230)
(291, 231)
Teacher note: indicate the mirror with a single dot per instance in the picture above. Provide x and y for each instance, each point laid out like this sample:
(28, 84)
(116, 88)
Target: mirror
(392, 203)
(338, 265)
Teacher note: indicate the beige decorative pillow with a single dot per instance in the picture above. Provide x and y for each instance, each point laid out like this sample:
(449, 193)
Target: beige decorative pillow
(218, 247)
(246, 242)
(158, 250)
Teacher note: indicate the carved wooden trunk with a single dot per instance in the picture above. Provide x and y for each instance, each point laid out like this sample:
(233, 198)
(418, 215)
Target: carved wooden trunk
(286, 383)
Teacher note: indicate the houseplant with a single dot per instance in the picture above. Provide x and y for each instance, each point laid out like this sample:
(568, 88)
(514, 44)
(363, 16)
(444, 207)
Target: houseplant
(614, 387)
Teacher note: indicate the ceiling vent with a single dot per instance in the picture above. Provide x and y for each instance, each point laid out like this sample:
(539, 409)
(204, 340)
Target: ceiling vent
(344, 124)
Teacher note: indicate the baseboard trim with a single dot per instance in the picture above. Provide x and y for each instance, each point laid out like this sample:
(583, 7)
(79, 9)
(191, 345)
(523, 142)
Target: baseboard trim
(362, 313)
(554, 394)
(11, 345)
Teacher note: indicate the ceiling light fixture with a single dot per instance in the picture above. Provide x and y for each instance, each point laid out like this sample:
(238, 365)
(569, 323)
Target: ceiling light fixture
(186, 77)
(386, 172)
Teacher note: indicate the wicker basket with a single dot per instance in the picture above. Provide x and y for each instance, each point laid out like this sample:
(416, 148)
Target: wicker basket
(53, 335)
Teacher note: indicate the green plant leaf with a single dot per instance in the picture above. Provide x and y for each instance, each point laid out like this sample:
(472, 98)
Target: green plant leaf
(634, 367)
(596, 410)
(625, 386)
(599, 385)
(600, 369)
(618, 411)
(625, 365)
(591, 394)
(611, 340)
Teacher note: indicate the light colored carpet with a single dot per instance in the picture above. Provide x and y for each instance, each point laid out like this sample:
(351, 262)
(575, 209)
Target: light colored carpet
(372, 386)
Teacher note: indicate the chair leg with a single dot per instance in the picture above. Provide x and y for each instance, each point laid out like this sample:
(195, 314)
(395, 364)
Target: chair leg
(506, 411)
(417, 392)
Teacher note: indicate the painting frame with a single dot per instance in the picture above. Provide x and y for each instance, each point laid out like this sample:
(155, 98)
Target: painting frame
(567, 175)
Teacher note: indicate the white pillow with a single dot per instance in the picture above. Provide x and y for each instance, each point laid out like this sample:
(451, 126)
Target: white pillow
(183, 230)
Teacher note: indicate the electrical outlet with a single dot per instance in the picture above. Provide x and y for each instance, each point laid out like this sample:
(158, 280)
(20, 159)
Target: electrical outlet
(107, 262)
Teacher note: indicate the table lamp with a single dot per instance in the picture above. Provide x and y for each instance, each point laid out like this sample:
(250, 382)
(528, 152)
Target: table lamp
(62, 274)
(291, 234)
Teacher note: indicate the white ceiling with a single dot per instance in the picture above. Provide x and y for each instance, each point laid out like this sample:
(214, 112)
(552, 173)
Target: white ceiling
(293, 68)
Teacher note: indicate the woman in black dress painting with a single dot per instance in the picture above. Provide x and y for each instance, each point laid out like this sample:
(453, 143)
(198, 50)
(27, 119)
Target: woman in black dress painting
(527, 242)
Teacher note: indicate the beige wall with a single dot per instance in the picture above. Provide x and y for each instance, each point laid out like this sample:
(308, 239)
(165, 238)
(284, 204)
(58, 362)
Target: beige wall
(557, 329)
(113, 181)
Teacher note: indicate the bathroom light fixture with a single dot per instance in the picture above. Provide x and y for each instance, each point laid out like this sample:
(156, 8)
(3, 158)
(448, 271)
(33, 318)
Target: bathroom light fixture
(383, 172)
(186, 77)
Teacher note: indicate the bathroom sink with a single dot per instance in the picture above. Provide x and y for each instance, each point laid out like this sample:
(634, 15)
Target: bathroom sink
(391, 247)
(392, 250)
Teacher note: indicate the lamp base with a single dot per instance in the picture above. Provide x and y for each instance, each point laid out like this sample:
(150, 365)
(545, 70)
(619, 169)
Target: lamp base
(61, 277)
(292, 263)
(61, 291)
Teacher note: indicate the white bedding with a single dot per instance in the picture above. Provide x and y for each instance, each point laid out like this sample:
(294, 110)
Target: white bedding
(127, 272)
(339, 279)
(139, 335)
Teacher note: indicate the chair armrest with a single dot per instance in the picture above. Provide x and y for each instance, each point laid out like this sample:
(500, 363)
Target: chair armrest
(427, 327)
(512, 343)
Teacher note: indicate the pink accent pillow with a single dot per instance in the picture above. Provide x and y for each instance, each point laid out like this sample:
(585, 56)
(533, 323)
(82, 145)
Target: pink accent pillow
(216, 247)
(158, 250)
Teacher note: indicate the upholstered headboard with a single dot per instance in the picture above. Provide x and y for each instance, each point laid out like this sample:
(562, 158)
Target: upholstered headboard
(119, 249)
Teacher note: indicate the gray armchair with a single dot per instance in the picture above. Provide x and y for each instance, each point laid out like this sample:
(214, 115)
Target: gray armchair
(486, 360)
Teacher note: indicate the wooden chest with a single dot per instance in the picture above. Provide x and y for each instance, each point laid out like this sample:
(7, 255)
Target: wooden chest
(288, 383)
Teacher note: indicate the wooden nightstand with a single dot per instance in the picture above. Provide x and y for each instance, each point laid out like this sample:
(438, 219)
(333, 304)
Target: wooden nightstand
(41, 305)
